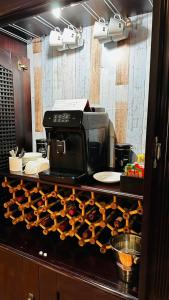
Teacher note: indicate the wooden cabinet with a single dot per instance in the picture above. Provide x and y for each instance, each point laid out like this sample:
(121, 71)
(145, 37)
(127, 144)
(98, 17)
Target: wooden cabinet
(23, 279)
(18, 277)
(72, 289)
(48, 284)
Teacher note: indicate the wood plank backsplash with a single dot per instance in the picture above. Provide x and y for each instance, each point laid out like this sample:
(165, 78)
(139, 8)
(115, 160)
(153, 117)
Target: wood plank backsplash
(113, 75)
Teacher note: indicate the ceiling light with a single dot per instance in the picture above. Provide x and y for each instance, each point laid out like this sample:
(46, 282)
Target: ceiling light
(56, 12)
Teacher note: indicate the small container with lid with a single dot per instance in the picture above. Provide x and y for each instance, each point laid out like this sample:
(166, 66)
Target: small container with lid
(123, 156)
(41, 146)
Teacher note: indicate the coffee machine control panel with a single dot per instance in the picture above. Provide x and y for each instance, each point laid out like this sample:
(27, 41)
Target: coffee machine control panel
(63, 118)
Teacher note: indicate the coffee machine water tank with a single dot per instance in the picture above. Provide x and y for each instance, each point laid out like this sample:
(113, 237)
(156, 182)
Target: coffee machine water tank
(78, 143)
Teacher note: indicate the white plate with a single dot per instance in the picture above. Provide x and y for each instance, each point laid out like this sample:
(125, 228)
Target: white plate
(107, 177)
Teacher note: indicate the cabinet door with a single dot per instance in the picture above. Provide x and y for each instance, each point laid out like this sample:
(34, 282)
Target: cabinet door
(48, 284)
(18, 277)
(72, 289)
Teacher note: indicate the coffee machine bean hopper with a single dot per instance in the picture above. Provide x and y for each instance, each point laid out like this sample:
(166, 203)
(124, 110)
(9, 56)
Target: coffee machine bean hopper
(77, 145)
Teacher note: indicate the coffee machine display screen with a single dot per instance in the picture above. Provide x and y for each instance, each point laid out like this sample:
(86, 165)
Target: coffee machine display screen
(61, 118)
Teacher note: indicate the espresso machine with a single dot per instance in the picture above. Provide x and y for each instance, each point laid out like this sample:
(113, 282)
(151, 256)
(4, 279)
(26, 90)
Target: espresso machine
(77, 144)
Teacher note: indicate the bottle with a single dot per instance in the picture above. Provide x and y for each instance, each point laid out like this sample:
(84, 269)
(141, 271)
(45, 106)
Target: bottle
(118, 222)
(72, 209)
(93, 215)
(64, 225)
(45, 221)
(30, 216)
(38, 205)
(83, 230)
(9, 203)
(20, 198)
(64, 228)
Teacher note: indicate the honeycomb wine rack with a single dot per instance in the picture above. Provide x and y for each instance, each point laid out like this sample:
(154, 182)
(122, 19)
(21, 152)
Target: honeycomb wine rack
(91, 217)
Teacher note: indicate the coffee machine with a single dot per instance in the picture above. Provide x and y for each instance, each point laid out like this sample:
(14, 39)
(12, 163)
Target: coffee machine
(77, 144)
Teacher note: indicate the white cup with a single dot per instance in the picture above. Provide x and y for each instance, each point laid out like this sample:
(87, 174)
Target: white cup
(79, 42)
(62, 48)
(15, 164)
(120, 36)
(116, 25)
(55, 37)
(69, 36)
(100, 29)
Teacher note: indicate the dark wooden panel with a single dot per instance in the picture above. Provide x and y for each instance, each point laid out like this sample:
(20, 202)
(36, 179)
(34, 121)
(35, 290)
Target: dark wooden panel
(11, 274)
(22, 103)
(5, 59)
(48, 284)
(154, 282)
(18, 277)
(71, 289)
(30, 279)
(12, 45)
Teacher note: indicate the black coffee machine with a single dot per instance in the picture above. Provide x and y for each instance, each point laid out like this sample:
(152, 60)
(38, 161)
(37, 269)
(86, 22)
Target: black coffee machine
(77, 144)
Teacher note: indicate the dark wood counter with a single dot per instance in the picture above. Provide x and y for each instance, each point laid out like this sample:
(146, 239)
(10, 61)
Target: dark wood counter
(91, 185)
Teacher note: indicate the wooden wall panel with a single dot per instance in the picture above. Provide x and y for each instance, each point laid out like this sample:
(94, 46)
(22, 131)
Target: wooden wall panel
(10, 44)
(38, 99)
(121, 122)
(114, 76)
(37, 45)
(138, 82)
(122, 71)
(95, 65)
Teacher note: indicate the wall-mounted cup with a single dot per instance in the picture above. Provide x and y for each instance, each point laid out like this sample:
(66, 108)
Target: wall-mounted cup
(119, 29)
(100, 29)
(69, 36)
(62, 48)
(55, 38)
(116, 25)
(15, 164)
(79, 41)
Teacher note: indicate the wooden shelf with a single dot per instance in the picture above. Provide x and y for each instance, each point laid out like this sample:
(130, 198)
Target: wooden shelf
(92, 186)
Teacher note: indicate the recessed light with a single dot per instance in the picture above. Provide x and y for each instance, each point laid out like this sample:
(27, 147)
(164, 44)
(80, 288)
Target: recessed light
(56, 12)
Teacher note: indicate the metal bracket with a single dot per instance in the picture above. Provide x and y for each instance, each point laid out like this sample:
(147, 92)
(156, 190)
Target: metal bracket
(22, 67)
(157, 152)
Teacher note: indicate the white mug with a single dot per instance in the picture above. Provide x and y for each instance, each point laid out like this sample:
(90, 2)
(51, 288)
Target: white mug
(15, 164)
(120, 36)
(124, 34)
(116, 25)
(55, 37)
(69, 36)
(62, 48)
(79, 42)
(100, 29)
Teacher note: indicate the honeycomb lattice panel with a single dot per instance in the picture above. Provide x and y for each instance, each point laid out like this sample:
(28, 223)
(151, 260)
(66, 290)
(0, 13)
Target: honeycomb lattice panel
(7, 116)
(90, 217)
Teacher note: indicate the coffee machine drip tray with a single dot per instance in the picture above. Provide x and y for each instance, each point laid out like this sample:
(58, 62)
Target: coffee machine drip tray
(58, 177)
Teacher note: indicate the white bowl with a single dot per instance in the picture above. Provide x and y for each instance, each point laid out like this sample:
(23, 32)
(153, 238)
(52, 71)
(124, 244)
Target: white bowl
(30, 156)
(107, 177)
(34, 167)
